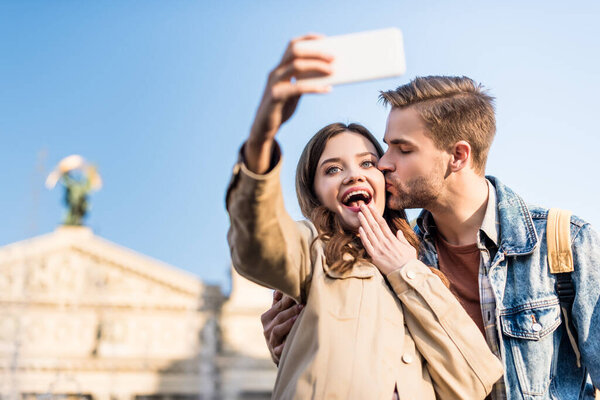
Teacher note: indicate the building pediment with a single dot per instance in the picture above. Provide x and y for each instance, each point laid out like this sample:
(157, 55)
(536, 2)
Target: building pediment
(79, 314)
(72, 266)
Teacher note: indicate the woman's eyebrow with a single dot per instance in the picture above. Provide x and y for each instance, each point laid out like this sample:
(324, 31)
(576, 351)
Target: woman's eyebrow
(334, 159)
(366, 153)
(339, 160)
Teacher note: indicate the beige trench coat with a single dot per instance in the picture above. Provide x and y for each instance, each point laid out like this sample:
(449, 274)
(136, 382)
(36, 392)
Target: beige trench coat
(356, 338)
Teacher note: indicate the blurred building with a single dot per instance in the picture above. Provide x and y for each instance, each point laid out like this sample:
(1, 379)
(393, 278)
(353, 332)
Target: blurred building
(84, 318)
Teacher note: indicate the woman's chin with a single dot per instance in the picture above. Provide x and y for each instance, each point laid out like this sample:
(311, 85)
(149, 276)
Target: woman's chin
(351, 222)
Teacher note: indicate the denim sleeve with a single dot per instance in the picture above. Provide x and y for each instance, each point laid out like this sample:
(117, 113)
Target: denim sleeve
(586, 307)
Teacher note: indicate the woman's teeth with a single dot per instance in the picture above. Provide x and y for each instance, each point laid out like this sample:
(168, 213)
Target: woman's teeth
(356, 198)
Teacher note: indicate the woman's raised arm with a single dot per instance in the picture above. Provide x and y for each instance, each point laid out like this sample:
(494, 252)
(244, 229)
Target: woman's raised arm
(281, 97)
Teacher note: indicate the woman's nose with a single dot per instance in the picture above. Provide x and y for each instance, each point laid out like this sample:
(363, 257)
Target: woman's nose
(354, 176)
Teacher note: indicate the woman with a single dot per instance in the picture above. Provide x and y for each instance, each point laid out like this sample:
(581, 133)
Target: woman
(377, 323)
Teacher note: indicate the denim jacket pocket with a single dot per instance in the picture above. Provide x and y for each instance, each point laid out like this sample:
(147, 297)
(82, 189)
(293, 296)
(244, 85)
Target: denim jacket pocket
(528, 331)
(532, 321)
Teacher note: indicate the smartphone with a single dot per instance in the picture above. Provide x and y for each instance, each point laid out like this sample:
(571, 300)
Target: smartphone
(360, 56)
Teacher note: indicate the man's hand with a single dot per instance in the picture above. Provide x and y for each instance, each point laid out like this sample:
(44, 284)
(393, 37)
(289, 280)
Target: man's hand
(278, 321)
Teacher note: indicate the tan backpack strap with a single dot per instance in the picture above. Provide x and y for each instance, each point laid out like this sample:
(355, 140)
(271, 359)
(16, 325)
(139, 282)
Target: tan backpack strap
(560, 262)
(558, 235)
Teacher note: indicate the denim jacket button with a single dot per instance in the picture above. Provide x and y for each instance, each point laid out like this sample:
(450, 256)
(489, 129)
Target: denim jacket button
(536, 327)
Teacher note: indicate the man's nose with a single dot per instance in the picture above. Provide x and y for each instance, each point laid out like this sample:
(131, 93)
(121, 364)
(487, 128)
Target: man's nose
(385, 164)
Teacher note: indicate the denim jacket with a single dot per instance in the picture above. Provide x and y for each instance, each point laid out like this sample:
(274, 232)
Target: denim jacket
(540, 363)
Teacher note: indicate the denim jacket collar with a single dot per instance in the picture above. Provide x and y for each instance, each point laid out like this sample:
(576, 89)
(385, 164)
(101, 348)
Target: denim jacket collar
(517, 236)
(425, 223)
(491, 225)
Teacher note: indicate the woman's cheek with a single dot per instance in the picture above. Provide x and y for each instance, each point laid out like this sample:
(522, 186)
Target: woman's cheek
(381, 205)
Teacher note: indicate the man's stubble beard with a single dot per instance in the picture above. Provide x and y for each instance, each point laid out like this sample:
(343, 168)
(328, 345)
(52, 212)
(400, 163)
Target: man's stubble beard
(419, 192)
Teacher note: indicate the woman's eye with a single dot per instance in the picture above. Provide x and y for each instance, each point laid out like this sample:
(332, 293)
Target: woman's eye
(332, 170)
(367, 164)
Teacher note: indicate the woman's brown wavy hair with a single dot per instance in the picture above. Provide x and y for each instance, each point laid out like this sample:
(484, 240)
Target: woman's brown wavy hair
(338, 241)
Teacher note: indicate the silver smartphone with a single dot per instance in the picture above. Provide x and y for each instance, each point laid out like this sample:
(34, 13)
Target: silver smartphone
(360, 56)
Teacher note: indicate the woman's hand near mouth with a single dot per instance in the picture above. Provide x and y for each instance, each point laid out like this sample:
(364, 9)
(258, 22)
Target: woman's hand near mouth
(388, 252)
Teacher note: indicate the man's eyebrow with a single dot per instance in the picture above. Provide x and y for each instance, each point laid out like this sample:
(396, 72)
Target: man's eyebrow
(398, 141)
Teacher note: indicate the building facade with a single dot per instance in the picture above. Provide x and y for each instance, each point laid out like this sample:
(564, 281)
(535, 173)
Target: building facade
(84, 318)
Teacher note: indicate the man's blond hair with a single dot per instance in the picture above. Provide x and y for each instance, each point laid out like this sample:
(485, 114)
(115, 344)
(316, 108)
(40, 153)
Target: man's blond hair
(453, 109)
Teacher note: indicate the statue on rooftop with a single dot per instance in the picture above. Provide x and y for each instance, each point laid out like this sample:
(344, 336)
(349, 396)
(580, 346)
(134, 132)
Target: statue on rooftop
(79, 179)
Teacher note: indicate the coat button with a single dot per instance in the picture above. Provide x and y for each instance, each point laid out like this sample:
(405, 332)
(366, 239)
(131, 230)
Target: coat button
(536, 327)
(407, 358)
(411, 274)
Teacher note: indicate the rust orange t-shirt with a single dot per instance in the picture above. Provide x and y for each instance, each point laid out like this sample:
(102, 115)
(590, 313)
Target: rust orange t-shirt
(460, 264)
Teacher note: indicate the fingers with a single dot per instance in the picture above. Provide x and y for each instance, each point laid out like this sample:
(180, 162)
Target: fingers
(276, 296)
(373, 224)
(279, 312)
(296, 49)
(400, 236)
(300, 67)
(287, 315)
(268, 318)
(280, 331)
(300, 61)
(281, 327)
(366, 242)
(365, 230)
(283, 88)
(306, 52)
(276, 353)
(406, 248)
(307, 36)
(289, 90)
(286, 302)
(383, 225)
(379, 218)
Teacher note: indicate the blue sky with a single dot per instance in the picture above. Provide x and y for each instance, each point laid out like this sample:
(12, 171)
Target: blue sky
(160, 94)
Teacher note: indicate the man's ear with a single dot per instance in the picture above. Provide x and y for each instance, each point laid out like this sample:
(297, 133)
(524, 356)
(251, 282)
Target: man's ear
(460, 155)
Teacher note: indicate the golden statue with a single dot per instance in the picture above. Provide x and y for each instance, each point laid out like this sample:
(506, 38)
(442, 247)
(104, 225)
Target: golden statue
(79, 179)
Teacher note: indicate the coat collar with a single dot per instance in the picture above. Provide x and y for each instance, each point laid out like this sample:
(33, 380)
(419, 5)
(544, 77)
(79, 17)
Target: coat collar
(360, 269)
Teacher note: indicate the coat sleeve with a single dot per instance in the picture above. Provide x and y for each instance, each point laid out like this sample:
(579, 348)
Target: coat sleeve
(267, 246)
(458, 358)
(586, 306)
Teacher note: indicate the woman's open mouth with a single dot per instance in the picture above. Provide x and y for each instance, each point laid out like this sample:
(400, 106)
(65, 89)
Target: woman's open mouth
(353, 198)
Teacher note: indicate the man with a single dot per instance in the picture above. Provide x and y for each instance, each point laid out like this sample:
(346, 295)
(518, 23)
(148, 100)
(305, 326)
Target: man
(487, 240)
